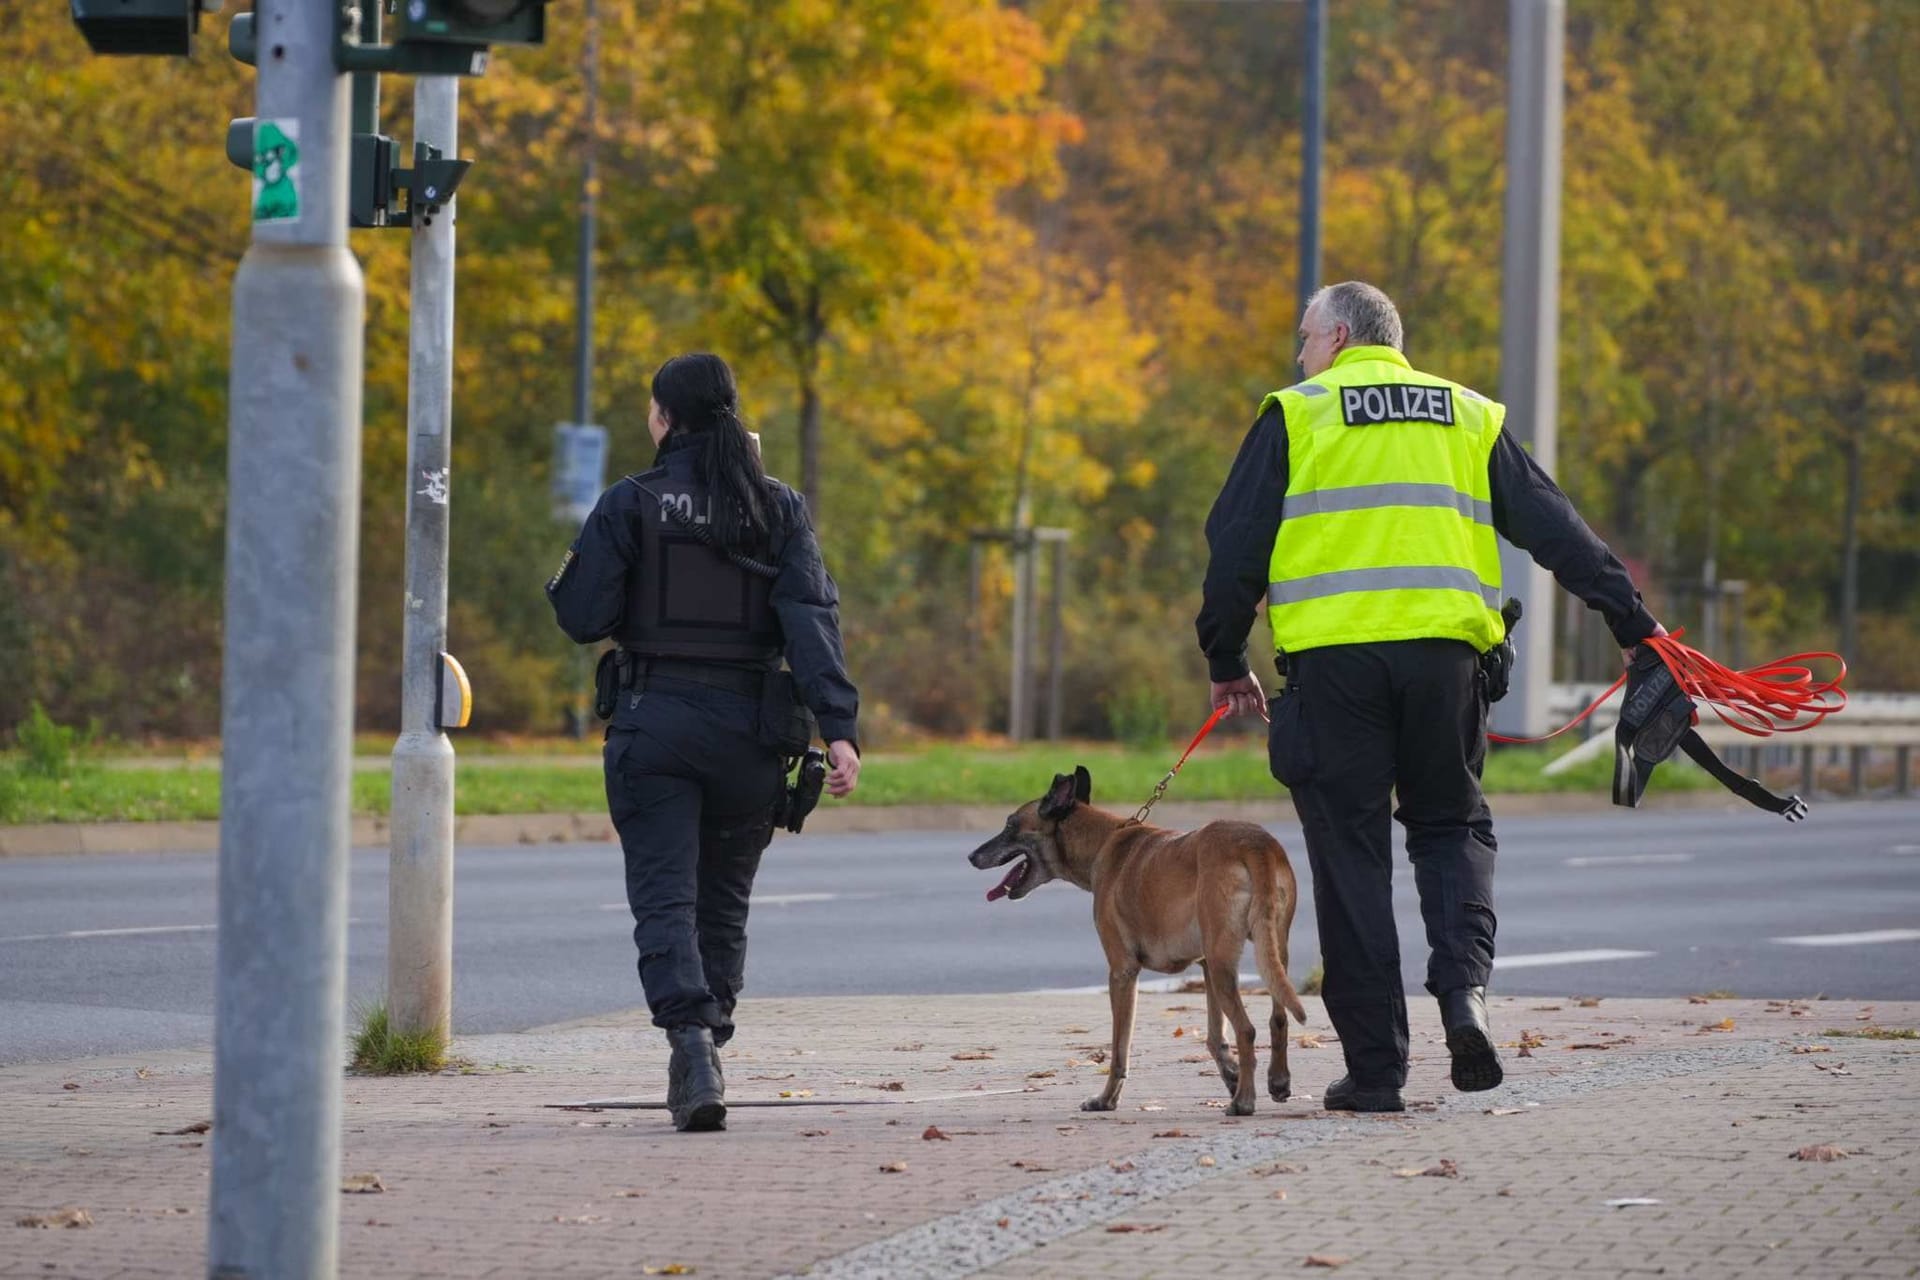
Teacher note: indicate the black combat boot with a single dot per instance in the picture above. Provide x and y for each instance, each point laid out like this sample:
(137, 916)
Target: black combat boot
(1344, 1095)
(696, 1095)
(1476, 1063)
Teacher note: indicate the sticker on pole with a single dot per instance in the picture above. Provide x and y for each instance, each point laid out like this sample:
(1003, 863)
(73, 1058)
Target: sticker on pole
(276, 171)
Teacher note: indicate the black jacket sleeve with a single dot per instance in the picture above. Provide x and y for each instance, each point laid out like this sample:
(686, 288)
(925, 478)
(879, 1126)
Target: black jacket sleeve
(808, 604)
(589, 591)
(1530, 512)
(1240, 533)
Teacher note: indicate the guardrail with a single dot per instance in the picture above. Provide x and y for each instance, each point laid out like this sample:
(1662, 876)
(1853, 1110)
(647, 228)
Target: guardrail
(1854, 742)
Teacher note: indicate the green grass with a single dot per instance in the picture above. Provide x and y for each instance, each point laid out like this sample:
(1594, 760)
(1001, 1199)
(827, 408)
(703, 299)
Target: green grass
(1315, 979)
(947, 774)
(378, 1050)
(1875, 1033)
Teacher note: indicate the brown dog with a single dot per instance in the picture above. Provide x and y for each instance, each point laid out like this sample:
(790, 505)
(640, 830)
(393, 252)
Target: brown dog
(1162, 900)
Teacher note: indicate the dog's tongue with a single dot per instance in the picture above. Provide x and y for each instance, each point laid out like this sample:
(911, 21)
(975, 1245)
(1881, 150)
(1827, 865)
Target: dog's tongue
(1006, 885)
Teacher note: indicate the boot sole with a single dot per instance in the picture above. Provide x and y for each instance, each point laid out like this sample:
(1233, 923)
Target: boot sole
(1476, 1063)
(708, 1117)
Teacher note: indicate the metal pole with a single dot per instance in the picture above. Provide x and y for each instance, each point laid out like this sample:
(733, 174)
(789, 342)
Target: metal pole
(1022, 605)
(1313, 141)
(589, 208)
(1056, 641)
(1530, 321)
(1030, 618)
(293, 518)
(420, 879)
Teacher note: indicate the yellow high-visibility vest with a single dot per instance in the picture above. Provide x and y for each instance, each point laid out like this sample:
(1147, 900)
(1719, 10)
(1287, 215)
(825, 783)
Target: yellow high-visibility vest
(1387, 530)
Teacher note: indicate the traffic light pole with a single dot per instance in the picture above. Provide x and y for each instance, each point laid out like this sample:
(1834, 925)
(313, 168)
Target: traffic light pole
(420, 879)
(292, 560)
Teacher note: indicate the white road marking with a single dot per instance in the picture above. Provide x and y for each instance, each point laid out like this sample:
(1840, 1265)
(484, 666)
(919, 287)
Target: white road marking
(767, 900)
(1541, 959)
(1905, 849)
(1851, 939)
(122, 933)
(1629, 860)
(1152, 986)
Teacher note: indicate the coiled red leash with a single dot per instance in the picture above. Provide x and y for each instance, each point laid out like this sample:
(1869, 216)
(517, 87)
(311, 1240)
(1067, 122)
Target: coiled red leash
(1759, 701)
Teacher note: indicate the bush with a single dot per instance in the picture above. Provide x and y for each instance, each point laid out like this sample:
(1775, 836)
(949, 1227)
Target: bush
(49, 749)
(1139, 716)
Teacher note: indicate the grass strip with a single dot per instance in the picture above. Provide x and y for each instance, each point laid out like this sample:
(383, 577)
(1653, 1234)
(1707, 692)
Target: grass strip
(950, 774)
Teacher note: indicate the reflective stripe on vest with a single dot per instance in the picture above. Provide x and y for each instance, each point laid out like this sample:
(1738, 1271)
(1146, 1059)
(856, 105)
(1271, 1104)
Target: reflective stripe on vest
(1386, 530)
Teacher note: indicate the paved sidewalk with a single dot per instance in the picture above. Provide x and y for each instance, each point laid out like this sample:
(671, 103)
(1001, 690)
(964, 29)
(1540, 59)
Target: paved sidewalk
(1695, 1106)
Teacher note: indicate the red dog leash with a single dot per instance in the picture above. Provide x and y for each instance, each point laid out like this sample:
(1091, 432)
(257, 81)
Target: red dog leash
(1219, 713)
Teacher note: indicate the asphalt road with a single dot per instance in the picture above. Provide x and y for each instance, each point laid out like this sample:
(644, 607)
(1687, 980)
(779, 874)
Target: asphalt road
(116, 954)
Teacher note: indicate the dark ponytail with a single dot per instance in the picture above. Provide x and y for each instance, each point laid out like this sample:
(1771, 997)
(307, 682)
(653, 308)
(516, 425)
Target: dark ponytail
(697, 394)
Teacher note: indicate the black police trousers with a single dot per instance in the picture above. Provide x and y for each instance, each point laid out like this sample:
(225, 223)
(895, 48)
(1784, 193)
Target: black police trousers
(691, 791)
(1354, 724)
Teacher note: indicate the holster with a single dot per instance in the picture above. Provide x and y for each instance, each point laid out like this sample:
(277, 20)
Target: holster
(1496, 664)
(611, 677)
(797, 800)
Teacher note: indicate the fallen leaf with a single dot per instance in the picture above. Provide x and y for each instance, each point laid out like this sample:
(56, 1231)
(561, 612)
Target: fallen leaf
(1444, 1169)
(1589, 1002)
(1172, 1133)
(1048, 1074)
(1197, 1057)
(932, 1134)
(1547, 1008)
(1525, 1052)
(1121, 1166)
(1630, 1202)
(972, 1055)
(1825, 1153)
(1593, 1044)
(671, 1269)
(915, 1047)
(1506, 1111)
(1698, 1000)
(1326, 1260)
(1504, 1191)
(1280, 1194)
(1813, 1048)
(1073, 1031)
(796, 1093)
(580, 1220)
(892, 1086)
(362, 1184)
(815, 1133)
(141, 1073)
(787, 1076)
(1832, 1069)
(1269, 1170)
(1531, 1039)
(68, 1217)
(1725, 1024)
(1119, 1228)
(1308, 1040)
(1206, 1162)
(631, 1194)
(1032, 1166)
(70, 1086)
(198, 1126)
(1002, 1223)
(1150, 1106)
(894, 1166)
(1177, 1033)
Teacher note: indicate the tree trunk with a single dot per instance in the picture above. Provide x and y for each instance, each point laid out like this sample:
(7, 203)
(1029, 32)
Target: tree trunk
(810, 431)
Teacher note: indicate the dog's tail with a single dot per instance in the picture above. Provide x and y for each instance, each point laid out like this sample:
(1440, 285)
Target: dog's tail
(1267, 936)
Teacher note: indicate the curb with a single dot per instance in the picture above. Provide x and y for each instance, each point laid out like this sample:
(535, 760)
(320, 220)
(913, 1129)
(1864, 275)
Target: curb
(70, 839)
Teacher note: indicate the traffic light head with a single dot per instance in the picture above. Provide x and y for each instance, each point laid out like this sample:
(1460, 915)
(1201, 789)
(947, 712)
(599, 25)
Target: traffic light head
(140, 26)
(471, 22)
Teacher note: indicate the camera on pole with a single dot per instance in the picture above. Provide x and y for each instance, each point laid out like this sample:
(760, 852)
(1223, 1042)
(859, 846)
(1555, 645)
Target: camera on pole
(141, 26)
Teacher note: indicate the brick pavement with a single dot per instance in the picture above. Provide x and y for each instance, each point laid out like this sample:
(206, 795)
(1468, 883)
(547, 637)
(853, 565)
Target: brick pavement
(485, 1180)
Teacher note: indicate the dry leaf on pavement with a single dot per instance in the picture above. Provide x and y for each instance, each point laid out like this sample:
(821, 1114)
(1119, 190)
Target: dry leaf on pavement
(1121, 1166)
(1698, 1000)
(1048, 1074)
(70, 1087)
(1032, 1166)
(362, 1184)
(1444, 1169)
(1589, 1002)
(1002, 1222)
(932, 1133)
(1725, 1024)
(1506, 1111)
(796, 1093)
(1269, 1170)
(1813, 1048)
(1825, 1153)
(671, 1269)
(815, 1133)
(198, 1126)
(972, 1055)
(1206, 1162)
(577, 1220)
(1172, 1133)
(1120, 1228)
(1178, 1032)
(914, 1047)
(68, 1217)
(1326, 1260)
(892, 1086)
(632, 1193)
(1308, 1040)
(894, 1166)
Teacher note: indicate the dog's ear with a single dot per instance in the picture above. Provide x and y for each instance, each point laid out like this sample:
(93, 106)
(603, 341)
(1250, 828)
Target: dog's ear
(1082, 784)
(1059, 800)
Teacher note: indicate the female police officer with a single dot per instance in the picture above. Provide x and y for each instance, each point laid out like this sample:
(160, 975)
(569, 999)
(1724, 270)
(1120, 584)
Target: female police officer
(706, 573)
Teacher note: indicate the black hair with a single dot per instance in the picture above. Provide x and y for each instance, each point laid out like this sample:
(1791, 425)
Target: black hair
(696, 392)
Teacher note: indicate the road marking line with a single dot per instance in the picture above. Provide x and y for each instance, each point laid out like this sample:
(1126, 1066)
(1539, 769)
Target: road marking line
(1541, 959)
(767, 900)
(1629, 860)
(1152, 987)
(122, 933)
(1851, 939)
(1905, 849)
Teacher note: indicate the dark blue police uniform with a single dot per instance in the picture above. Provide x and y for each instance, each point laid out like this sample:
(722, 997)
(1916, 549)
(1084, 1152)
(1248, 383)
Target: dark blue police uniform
(691, 778)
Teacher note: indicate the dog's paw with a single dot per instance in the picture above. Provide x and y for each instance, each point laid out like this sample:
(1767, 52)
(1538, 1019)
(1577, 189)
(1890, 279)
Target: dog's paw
(1281, 1089)
(1101, 1103)
(1231, 1078)
(1240, 1108)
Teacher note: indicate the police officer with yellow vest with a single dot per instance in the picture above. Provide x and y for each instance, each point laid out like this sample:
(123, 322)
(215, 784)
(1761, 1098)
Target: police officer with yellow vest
(1363, 506)
(706, 572)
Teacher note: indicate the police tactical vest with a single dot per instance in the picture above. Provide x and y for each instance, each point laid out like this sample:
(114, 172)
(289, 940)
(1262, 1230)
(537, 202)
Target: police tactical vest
(1387, 528)
(685, 599)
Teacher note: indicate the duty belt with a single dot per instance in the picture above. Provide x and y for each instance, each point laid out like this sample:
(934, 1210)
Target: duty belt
(715, 675)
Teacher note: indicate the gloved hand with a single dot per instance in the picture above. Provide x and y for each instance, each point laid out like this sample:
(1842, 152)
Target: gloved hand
(1629, 654)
